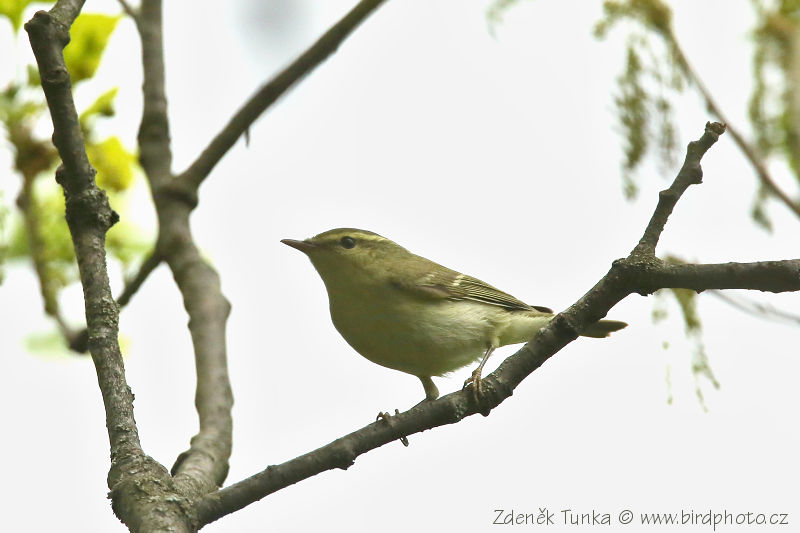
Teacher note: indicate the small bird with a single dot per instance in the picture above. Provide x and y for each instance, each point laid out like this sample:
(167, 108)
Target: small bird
(405, 312)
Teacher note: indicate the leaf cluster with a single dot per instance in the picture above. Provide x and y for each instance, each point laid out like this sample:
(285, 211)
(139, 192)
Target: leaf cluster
(774, 107)
(651, 77)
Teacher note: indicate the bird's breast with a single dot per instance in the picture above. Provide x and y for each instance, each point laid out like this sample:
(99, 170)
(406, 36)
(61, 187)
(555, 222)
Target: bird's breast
(420, 337)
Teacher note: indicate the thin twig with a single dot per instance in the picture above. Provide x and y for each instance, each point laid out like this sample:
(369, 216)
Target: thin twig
(758, 309)
(194, 175)
(133, 284)
(126, 7)
(690, 173)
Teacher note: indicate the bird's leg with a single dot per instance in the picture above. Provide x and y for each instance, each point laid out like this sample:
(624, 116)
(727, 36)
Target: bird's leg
(475, 379)
(431, 392)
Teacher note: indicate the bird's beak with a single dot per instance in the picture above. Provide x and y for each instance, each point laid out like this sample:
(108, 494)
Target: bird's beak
(303, 246)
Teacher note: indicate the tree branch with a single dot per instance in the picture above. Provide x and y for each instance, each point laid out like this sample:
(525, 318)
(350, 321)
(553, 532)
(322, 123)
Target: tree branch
(78, 341)
(646, 277)
(690, 173)
(64, 12)
(204, 466)
(133, 284)
(193, 176)
(89, 216)
(639, 272)
(154, 141)
(340, 453)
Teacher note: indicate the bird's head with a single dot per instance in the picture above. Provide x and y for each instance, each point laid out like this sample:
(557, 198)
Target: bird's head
(344, 254)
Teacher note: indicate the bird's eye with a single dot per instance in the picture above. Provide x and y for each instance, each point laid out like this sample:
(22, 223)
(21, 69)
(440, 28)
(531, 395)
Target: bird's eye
(348, 242)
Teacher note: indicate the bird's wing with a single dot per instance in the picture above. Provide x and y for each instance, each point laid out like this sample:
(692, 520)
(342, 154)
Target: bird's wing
(451, 285)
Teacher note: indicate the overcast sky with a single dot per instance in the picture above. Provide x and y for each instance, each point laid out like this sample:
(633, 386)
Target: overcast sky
(496, 156)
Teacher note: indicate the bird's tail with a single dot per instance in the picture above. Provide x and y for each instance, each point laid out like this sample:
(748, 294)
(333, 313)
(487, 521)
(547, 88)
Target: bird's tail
(603, 328)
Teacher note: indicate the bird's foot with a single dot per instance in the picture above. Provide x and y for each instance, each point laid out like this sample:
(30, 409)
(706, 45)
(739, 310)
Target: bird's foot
(386, 417)
(475, 381)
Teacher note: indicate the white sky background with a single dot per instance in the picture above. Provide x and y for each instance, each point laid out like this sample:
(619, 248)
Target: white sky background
(496, 157)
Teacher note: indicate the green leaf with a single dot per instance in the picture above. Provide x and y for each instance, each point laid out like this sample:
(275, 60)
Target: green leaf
(88, 39)
(15, 110)
(632, 109)
(114, 163)
(49, 344)
(34, 79)
(17, 245)
(32, 155)
(653, 14)
(15, 9)
(57, 242)
(103, 106)
(687, 299)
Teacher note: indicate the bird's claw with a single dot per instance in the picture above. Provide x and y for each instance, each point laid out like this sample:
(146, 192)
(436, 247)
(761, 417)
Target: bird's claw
(386, 417)
(475, 381)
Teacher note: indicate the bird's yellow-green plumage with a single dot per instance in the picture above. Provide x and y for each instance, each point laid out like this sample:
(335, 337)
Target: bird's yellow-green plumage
(405, 312)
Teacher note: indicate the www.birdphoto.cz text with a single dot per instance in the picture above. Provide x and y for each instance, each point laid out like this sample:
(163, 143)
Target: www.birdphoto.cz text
(509, 517)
